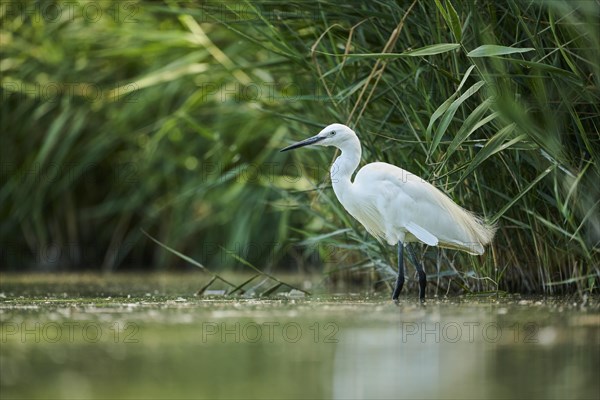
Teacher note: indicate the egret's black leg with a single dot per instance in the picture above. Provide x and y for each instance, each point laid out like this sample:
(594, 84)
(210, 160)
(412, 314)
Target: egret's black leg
(400, 279)
(420, 271)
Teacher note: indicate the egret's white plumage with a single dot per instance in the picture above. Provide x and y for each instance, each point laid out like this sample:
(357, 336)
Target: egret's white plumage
(395, 205)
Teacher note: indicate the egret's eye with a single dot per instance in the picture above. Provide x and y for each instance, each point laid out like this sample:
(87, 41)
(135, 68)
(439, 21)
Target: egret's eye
(332, 133)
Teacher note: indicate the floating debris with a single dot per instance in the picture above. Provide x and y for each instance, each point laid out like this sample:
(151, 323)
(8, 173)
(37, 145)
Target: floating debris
(295, 294)
(214, 292)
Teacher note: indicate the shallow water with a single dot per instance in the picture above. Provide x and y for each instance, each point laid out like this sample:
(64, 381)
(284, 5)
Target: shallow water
(132, 337)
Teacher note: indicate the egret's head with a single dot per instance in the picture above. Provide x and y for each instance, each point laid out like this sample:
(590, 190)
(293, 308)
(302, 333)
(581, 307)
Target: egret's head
(333, 135)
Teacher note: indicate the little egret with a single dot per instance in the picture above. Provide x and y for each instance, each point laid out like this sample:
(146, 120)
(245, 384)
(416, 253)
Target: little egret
(397, 206)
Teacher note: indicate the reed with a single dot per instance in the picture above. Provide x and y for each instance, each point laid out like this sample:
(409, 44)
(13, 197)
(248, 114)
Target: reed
(169, 122)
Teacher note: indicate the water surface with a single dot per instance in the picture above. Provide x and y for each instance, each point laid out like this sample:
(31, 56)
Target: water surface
(147, 337)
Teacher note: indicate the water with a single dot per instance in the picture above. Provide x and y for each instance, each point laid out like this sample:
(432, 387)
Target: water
(83, 337)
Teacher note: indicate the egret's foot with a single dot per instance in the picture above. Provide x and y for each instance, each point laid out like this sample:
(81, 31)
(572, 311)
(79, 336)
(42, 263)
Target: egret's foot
(396, 295)
(398, 288)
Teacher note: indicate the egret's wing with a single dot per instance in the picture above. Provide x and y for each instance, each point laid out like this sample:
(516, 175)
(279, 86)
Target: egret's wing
(422, 234)
(424, 209)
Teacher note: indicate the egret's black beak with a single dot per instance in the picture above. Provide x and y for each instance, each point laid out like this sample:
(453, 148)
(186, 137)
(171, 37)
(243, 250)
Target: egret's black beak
(303, 143)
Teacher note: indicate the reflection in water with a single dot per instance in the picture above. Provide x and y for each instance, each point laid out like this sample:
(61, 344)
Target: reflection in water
(376, 363)
(475, 358)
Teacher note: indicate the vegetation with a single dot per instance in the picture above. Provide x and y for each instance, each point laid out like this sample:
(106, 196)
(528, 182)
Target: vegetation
(167, 117)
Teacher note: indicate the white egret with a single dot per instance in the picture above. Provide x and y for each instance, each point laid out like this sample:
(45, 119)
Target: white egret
(396, 206)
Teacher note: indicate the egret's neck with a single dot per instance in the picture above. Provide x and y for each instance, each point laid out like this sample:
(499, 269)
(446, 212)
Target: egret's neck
(344, 166)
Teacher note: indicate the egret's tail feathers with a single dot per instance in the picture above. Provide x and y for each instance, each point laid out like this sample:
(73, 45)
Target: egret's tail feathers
(481, 232)
(485, 232)
(477, 233)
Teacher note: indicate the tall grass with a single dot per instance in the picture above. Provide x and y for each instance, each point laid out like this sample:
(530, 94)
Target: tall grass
(497, 104)
(113, 124)
(195, 99)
